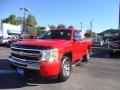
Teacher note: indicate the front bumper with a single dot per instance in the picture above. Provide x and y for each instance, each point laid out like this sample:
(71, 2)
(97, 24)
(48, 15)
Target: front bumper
(46, 69)
(24, 63)
(115, 50)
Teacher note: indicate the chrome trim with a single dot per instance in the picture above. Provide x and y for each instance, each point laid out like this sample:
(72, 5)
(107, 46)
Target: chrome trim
(25, 63)
(25, 49)
(115, 49)
(25, 59)
(25, 53)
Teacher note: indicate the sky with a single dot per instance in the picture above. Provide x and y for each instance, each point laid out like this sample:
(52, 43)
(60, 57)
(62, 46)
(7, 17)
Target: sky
(103, 13)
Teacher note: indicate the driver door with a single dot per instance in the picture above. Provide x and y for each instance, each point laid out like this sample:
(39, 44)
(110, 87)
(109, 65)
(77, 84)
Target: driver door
(77, 45)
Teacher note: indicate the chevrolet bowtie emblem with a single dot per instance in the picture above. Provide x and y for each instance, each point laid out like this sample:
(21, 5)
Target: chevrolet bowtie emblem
(21, 53)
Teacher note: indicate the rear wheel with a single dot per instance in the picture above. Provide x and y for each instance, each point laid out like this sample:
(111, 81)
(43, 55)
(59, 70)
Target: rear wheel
(87, 56)
(65, 69)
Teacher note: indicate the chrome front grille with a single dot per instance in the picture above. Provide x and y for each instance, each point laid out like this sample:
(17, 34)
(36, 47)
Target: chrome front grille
(27, 54)
(36, 58)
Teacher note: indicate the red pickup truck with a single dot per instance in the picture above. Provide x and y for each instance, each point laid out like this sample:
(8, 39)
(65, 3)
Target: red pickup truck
(51, 54)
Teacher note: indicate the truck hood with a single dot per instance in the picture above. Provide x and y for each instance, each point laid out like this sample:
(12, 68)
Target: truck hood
(46, 42)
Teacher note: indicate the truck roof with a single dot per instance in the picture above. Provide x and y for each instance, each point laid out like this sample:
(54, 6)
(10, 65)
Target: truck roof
(72, 29)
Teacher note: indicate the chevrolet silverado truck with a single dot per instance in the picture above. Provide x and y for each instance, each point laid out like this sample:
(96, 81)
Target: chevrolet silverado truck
(51, 54)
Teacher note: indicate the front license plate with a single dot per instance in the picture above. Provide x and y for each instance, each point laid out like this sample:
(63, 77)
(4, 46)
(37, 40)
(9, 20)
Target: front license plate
(20, 71)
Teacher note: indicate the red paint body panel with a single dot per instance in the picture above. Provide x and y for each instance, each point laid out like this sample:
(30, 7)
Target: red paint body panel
(49, 69)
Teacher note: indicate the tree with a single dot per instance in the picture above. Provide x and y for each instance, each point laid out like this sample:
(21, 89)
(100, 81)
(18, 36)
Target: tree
(30, 21)
(12, 19)
(30, 26)
(52, 27)
(87, 35)
(39, 30)
(19, 20)
(90, 33)
(94, 35)
(43, 28)
(61, 26)
(71, 27)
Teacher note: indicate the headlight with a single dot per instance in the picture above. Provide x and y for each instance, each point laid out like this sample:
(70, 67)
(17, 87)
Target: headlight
(49, 55)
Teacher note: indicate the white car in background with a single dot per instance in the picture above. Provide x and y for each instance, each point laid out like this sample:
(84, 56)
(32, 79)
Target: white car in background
(3, 39)
(7, 40)
(97, 42)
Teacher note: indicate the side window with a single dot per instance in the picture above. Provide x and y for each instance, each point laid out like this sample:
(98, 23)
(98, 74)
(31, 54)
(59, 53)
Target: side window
(77, 36)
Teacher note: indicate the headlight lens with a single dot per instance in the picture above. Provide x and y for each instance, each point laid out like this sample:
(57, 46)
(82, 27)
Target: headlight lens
(49, 55)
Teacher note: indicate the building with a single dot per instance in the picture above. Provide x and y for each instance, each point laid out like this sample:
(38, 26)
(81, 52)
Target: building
(110, 32)
(105, 35)
(7, 30)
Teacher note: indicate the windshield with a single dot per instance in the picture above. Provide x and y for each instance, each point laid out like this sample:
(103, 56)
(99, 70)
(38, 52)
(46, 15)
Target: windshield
(115, 38)
(56, 34)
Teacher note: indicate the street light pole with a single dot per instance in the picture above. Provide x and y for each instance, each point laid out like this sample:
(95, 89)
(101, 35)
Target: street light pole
(81, 25)
(24, 20)
(91, 24)
(91, 27)
(119, 17)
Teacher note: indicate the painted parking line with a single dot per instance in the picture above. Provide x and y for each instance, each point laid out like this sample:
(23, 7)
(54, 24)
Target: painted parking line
(7, 71)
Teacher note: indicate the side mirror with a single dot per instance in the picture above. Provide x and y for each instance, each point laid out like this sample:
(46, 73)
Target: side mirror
(77, 38)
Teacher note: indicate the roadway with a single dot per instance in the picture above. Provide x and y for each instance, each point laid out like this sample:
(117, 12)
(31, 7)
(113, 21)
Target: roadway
(101, 73)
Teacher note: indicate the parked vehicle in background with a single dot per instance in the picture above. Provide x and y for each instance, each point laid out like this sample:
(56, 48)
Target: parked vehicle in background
(96, 42)
(114, 43)
(52, 54)
(8, 40)
(3, 40)
(12, 40)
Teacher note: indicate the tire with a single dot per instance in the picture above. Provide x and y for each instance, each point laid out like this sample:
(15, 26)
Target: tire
(65, 69)
(87, 56)
(101, 44)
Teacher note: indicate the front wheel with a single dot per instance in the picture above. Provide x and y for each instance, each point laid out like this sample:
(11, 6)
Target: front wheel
(65, 69)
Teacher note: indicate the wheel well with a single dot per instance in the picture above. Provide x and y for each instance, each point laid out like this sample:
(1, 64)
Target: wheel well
(68, 54)
(89, 48)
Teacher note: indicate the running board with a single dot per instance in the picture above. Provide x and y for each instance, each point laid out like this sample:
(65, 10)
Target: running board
(76, 63)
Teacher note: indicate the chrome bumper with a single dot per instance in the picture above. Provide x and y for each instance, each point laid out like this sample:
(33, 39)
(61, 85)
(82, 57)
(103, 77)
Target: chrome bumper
(114, 50)
(34, 65)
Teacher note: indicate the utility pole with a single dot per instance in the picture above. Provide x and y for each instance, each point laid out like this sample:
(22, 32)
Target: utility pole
(81, 25)
(24, 19)
(91, 24)
(1, 31)
(91, 27)
(119, 17)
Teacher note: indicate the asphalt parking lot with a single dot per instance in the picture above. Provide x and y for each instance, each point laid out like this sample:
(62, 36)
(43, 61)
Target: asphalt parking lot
(101, 73)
